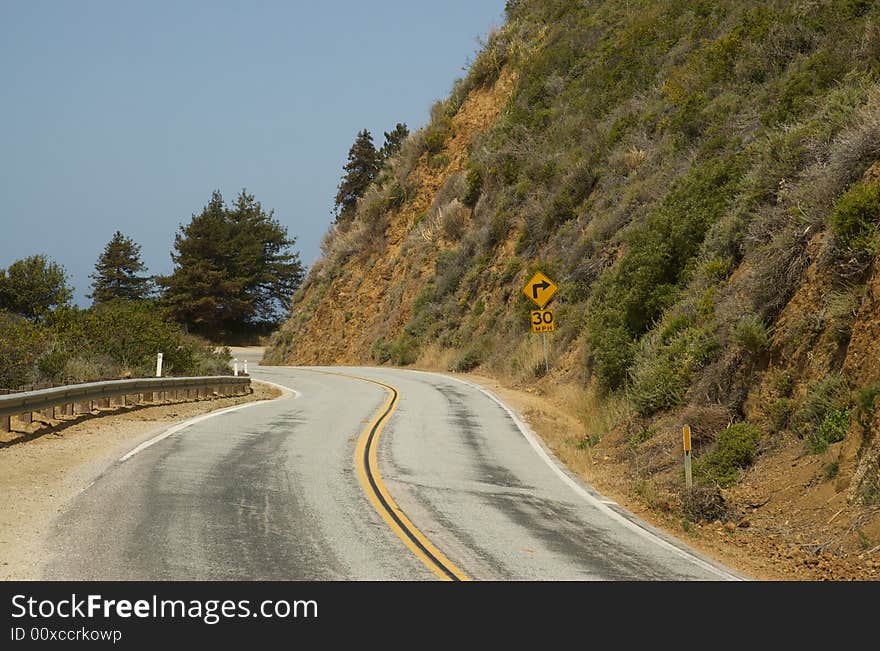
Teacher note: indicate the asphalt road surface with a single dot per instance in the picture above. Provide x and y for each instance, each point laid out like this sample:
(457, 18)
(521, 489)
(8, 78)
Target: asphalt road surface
(417, 477)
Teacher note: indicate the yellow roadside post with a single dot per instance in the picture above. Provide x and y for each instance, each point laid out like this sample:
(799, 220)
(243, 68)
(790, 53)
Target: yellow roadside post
(688, 477)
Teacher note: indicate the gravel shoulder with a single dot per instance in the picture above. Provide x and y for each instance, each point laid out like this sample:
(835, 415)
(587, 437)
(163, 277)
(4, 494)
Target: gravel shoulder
(41, 472)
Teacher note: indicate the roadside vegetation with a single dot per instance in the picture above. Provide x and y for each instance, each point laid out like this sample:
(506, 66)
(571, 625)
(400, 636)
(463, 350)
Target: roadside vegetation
(233, 278)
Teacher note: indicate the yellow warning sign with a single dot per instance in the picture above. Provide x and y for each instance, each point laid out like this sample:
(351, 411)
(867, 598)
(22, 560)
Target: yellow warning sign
(543, 321)
(540, 289)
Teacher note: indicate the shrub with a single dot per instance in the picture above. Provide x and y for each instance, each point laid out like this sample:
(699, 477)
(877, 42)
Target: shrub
(130, 333)
(704, 503)
(467, 362)
(22, 343)
(866, 400)
(436, 134)
(751, 334)
(379, 351)
(823, 396)
(779, 413)
(666, 362)
(855, 217)
(645, 280)
(438, 161)
(453, 219)
(841, 308)
(735, 449)
(832, 430)
(404, 350)
(474, 181)
(832, 469)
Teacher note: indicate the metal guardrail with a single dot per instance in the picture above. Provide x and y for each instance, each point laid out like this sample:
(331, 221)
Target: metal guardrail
(69, 396)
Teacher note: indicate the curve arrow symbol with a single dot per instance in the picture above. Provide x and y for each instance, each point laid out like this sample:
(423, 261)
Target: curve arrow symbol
(536, 286)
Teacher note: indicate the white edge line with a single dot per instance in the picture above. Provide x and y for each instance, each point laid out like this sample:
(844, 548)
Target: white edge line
(284, 389)
(602, 505)
(192, 421)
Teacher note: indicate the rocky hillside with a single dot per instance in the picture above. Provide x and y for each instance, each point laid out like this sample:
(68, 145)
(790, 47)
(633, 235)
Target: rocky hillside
(701, 179)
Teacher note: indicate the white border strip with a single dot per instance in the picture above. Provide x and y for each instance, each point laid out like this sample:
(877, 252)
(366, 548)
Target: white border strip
(198, 419)
(600, 504)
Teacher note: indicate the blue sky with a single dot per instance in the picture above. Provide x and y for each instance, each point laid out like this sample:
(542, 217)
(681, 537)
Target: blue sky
(127, 115)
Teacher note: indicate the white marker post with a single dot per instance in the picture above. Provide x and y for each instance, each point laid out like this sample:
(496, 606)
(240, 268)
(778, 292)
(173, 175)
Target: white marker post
(245, 367)
(235, 367)
(159, 365)
(688, 476)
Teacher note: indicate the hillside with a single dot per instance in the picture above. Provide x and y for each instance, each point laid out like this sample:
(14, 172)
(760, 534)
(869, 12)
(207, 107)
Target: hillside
(702, 180)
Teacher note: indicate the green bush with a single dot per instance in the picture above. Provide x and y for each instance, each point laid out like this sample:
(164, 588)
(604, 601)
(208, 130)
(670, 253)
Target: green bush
(404, 350)
(855, 217)
(22, 344)
(735, 449)
(436, 135)
(629, 299)
(832, 430)
(474, 180)
(823, 396)
(779, 413)
(664, 366)
(131, 333)
(751, 334)
(438, 161)
(467, 362)
(379, 351)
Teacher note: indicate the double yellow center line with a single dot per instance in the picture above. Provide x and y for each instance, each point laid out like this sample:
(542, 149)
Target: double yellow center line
(366, 460)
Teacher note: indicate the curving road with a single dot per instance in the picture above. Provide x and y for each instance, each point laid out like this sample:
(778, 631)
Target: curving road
(286, 490)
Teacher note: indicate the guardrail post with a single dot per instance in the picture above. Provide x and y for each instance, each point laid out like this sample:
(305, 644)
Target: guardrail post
(5, 423)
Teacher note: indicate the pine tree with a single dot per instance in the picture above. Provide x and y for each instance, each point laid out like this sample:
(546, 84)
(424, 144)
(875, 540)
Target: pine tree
(232, 269)
(393, 141)
(360, 170)
(116, 273)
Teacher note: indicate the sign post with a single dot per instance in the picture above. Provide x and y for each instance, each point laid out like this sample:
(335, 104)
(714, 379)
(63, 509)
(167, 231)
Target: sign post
(688, 477)
(540, 289)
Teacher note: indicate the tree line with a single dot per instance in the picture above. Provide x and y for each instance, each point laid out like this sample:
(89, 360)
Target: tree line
(234, 273)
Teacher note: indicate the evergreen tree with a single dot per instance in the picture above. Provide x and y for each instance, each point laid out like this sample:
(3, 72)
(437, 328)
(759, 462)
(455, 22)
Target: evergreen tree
(393, 141)
(360, 170)
(116, 272)
(33, 287)
(233, 271)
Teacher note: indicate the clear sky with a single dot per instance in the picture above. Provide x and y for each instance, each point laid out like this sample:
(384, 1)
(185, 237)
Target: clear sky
(126, 115)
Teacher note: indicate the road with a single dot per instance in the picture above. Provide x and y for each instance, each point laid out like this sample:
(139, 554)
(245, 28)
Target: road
(357, 474)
